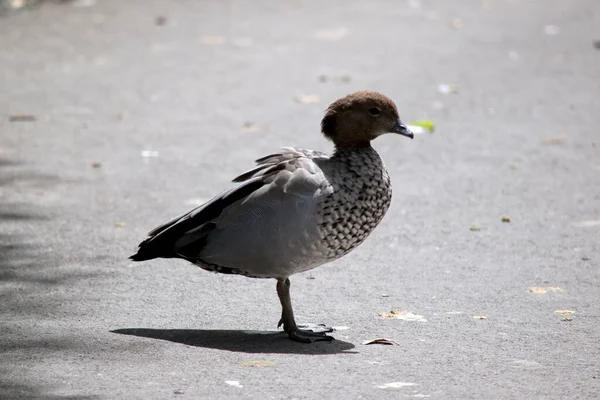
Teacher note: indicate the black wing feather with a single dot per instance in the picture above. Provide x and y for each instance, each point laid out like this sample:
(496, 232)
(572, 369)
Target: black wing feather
(161, 240)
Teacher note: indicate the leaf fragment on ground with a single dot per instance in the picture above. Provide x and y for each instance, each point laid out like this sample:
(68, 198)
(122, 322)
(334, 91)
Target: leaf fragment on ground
(457, 23)
(21, 118)
(445, 88)
(587, 224)
(422, 126)
(553, 140)
(251, 127)
(258, 363)
(306, 98)
(380, 341)
(564, 312)
(479, 317)
(333, 35)
(506, 219)
(474, 228)
(544, 290)
(213, 40)
(566, 319)
(403, 315)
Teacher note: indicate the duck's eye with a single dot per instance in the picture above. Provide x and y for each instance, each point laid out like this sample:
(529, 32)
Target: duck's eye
(374, 111)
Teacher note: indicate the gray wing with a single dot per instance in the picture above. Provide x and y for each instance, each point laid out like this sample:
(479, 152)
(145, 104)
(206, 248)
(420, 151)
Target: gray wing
(291, 171)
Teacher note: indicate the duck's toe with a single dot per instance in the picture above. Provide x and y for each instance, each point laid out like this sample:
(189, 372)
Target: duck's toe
(308, 333)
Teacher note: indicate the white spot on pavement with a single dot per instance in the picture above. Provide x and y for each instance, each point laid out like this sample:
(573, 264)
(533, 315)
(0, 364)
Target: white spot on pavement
(396, 385)
(551, 30)
(334, 34)
(149, 153)
(234, 383)
(340, 328)
(587, 224)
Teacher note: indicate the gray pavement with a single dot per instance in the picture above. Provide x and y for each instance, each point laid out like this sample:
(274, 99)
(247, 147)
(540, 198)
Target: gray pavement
(113, 120)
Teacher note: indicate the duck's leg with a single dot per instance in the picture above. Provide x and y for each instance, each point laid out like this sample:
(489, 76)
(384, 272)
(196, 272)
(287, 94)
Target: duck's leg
(301, 333)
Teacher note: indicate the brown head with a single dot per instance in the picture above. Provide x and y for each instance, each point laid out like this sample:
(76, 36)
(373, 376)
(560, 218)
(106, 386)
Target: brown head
(356, 119)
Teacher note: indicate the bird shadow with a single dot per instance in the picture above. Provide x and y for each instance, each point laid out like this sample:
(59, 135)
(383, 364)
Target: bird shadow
(240, 341)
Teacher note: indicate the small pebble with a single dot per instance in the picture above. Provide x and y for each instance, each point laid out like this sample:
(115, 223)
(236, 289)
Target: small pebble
(178, 391)
(474, 228)
(585, 259)
(96, 165)
(506, 219)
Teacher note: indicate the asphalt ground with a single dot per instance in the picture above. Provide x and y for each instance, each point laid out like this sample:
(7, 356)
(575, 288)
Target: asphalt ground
(115, 116)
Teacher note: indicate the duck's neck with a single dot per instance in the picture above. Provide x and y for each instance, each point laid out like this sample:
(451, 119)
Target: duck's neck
(354, 152)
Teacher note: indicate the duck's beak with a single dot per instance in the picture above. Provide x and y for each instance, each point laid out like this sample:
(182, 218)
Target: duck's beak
(402, 129)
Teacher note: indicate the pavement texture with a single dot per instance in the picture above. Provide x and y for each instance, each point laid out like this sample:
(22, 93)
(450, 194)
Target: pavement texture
(116, 116)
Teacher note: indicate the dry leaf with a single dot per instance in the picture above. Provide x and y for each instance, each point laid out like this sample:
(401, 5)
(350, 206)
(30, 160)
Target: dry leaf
(21, 118)
(381, 341)
(332, 34)
(457, 23)
(506, 218)
(251, 127)
(587, 224)
(566, 319)
(544, 290)
(258, 363)
(553, 140)
(307, 98)
(403, 315)
(212, 40)
(444, 88)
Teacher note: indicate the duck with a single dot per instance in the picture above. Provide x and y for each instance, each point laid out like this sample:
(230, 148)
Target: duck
(296, 210)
